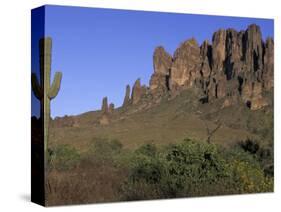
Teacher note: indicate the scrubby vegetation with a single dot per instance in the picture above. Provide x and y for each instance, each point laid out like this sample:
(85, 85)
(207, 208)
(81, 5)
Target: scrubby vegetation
(194, 169)
(109, 172)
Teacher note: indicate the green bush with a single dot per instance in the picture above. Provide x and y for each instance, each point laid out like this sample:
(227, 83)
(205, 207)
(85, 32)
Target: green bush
(193, 168)
(249, 179)
(147, 149)
(104, 150)
(146, 168)
(64, 157)
(250, 146)
(263, 154)
(189, 165)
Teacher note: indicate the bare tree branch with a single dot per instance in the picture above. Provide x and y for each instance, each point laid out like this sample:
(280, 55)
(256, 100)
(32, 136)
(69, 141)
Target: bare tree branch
(210, 132)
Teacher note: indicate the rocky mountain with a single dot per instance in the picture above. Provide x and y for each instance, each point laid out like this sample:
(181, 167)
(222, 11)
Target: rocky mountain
(227, 82)
(235, 66)
(234, 69)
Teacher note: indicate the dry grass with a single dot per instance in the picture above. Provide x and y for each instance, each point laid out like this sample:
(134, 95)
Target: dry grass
(87, 183)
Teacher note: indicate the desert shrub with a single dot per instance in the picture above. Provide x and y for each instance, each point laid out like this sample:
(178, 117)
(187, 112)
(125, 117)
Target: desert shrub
(237, 153)
(249, 179)
(247, 171)
(145, 172)
(148, 169)
(189, 166)
(263, 154)
(64, 157)
(104, 150)
(193, 168)
(116, 145)
(250, 146)
(178, 170)
(147, 149)
(266, 157)
(105, 146)
(139, 190)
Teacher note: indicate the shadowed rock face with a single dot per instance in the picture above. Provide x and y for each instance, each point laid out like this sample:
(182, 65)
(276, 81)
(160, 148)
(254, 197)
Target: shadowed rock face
(126, 101)
(218, 50)
(236, 66)
(104, 107)
(268, 67)
(111, 108)
(162, 61)
(186, 65)
(253, 52)
(159, 81)
(136, 92)
(104, 119)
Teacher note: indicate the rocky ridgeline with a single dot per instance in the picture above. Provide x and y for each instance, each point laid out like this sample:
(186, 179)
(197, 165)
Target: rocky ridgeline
(106, 112)
(65, 121)
(236, 66)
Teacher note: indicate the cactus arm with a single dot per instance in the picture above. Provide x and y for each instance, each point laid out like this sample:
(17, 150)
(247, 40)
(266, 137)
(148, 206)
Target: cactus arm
(46, 92)
(55, 87)
(37, 89)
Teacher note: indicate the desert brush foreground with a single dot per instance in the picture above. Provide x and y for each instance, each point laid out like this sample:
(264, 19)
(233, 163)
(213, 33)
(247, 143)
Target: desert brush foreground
(203, 126)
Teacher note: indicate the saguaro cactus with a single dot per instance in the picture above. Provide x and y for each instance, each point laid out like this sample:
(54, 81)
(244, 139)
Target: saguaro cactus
(45, 91)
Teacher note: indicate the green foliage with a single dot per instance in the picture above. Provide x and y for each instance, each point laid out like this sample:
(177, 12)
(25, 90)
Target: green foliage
(116, 145)
(250, 146)
(102, 150)
(236, 153)
(147, 149)
(64, 157)
(193, 168)
(191, 164)
(263, 154)
(249, 179)
(186, 169)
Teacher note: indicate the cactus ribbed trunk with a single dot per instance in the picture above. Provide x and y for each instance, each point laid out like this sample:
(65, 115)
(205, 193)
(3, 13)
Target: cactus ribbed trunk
(45, 91)
(45, 66)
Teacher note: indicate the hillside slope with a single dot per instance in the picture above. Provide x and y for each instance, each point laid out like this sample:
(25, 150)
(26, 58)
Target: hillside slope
(167, 122)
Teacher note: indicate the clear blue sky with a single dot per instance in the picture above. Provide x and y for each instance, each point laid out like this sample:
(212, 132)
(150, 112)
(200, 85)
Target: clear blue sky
(99, 51)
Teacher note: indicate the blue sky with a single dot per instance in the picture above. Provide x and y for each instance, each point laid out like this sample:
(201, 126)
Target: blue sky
(99, 51)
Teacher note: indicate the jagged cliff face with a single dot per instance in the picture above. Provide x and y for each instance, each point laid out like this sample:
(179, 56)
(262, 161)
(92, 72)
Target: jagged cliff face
(236, 66)
(162, 63)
